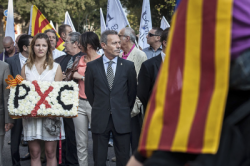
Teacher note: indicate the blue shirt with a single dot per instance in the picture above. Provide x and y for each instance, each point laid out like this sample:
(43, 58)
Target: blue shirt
(150, 52)
(106, 63)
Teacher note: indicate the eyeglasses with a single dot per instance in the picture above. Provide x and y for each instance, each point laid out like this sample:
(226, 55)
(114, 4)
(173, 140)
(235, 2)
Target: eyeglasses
(69, 42)
(122, 35)
(150, 35)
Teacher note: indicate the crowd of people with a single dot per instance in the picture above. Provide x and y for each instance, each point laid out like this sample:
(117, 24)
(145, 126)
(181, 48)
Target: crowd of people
(114, 88)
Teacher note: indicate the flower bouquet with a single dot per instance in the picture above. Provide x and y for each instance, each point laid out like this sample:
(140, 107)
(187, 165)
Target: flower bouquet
(42, 98)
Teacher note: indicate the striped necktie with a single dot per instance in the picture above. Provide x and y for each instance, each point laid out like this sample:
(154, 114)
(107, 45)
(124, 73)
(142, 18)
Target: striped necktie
(70, 63)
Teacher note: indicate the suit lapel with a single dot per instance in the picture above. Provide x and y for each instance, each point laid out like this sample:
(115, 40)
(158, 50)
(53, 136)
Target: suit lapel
(18, 65)
(102, 71)
(119, 68)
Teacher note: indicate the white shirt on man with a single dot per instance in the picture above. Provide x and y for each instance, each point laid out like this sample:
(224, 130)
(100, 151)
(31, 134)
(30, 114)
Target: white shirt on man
(56, 53)
(23, 59)
(163, 56)
(106, 63)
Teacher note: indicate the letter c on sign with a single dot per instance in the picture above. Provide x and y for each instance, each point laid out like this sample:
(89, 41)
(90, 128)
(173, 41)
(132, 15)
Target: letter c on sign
(66, 107)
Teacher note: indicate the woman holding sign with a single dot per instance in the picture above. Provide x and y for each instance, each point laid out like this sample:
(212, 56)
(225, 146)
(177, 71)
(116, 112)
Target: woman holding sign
(41, 67)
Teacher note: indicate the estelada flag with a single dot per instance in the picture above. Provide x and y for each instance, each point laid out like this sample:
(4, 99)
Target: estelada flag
(38, 24)
(186, 108)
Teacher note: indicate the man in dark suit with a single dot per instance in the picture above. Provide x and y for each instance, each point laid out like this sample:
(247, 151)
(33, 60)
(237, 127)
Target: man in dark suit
(15, 64)
(148, 73)
(69, 151)
(110, 87)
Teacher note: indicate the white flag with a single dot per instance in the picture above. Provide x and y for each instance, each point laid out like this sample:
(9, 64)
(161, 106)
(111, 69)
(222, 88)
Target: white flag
(145, 24)
(30, 26)
(51, 23)
(69, 22)
(123, 13)
(9, 30)
(164, 23)
(102, 21)
(115, 19)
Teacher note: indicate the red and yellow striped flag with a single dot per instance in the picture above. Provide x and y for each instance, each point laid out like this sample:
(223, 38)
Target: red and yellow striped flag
(186, 108)
(39, 24)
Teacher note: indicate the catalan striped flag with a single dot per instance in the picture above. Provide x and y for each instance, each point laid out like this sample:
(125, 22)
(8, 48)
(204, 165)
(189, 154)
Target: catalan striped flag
(186, 108)
(38, 24)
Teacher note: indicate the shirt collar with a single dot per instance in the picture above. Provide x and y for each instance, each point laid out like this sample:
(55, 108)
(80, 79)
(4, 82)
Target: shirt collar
(22, 58)
(163, 56)
(151, 48)
(106, 60)
(123, 54)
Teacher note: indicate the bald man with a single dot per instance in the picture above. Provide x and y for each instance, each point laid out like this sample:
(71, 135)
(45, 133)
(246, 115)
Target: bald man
(9, 48)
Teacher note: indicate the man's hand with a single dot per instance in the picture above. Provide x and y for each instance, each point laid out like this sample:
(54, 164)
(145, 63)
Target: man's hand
(133, 162)
(8, 126)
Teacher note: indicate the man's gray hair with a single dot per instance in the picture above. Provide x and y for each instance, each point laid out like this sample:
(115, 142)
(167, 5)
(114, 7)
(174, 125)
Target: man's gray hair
(74, 37)
(52, 31)
(105, 35)
(131, 33)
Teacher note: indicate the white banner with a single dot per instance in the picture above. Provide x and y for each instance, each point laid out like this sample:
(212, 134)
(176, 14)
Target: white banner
(145, 24)
(9, 30)
(115, 19)
(30, 26)
(68, 21)
(164, 23)
(51, 23)
(102, 21)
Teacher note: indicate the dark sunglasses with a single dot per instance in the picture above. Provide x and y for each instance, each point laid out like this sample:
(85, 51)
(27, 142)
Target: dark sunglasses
(150, 35)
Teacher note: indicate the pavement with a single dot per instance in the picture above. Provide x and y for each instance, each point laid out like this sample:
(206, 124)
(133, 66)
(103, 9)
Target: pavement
(23, 150)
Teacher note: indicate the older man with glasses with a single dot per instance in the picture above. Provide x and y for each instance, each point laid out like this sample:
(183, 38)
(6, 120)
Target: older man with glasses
(153, 39)
(53, 42)
(66, 61)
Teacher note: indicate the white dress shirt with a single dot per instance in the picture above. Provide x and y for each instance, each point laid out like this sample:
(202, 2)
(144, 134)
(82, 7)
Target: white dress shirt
(163, 56)
(22, 60)
(56, 53)
(106, 63)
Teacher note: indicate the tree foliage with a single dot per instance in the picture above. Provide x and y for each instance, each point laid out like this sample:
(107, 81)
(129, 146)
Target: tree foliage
(84, 12)
(159, 8)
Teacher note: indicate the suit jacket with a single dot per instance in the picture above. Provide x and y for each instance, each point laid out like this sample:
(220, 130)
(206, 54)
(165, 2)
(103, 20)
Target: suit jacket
(138, 57)
(63, 60)
(147, 77)
(4, 96)
(14, 65)
(119, 101)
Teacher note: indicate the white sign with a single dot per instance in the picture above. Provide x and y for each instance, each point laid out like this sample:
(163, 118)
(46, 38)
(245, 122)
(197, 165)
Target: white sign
(145, 24)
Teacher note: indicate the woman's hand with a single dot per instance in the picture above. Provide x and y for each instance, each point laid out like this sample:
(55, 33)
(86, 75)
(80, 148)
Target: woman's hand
(76, 75)
(63, 75)
(8, 126)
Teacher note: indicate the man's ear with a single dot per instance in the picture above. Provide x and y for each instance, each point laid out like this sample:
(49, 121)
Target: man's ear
(158, 38)
(63, 34)
(164, 43)
(103, 45)
(25, 47)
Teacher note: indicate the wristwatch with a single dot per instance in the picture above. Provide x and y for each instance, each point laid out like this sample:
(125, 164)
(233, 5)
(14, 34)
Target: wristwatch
(82, 78)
